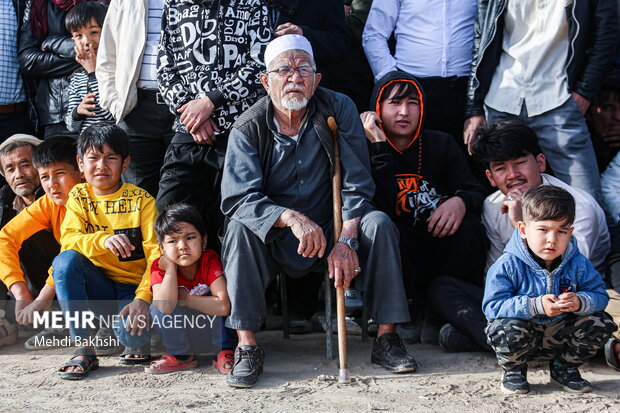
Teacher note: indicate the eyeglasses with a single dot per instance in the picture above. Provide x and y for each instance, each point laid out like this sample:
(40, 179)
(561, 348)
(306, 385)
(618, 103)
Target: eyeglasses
(288, 71)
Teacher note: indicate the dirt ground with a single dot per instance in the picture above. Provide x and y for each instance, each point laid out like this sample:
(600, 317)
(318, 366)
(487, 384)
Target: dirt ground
(465, 382)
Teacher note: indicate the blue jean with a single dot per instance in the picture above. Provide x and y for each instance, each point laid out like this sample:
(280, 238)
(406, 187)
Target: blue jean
(203, 337)
(81, 287)
(564, 139)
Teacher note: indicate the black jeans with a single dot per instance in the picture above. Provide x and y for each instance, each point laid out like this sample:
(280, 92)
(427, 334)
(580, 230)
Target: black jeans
(192, 173)
(149, 127)
(459, 303)
(16, 122)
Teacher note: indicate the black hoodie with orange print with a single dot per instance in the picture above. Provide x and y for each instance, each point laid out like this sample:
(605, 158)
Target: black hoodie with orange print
(411, 184)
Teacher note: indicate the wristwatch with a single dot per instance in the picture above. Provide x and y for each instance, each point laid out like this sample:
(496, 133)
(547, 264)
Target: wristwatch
(353, 243)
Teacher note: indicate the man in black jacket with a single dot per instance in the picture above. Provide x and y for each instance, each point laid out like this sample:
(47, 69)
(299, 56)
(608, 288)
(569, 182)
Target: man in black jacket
(425, 185)
(47, 55)
(543, 63)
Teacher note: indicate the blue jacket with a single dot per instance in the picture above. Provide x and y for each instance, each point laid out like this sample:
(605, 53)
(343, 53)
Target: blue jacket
(516, 283)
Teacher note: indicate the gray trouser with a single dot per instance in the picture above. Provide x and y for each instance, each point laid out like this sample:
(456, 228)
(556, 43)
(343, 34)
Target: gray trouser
(250, 265)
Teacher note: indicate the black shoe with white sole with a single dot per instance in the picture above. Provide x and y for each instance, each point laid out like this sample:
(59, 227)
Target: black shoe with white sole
(568, 377)
(515, 381)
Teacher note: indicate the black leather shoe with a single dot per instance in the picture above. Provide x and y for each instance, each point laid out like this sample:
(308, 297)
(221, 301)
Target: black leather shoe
(248, 366)
(389, 352)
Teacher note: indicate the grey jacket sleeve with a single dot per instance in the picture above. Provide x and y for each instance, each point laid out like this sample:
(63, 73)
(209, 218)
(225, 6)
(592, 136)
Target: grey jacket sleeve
(242, 187)
(358, 187)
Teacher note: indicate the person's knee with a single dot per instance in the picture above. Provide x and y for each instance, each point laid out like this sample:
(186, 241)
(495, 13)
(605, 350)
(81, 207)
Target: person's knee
(66, 264)
(509, 335)
(376, 225)
(594, 329)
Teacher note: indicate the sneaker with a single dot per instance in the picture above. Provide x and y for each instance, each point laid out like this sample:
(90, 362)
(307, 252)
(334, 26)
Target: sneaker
(353, 299)
(409, 332)
(8, 333)
(353, 328)
(515, 381)
(298, 324)
(389, 352)
(49, 338)
(248, 366)
(568, 377)
(453, 341)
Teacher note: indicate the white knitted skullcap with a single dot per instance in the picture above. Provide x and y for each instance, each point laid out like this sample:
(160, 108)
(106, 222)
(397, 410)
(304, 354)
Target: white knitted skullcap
(284, 43)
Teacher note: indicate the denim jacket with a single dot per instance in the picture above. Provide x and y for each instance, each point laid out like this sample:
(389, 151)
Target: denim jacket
(516, 283)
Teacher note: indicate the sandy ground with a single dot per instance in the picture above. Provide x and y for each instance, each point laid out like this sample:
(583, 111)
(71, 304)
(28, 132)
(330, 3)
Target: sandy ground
(466, 382)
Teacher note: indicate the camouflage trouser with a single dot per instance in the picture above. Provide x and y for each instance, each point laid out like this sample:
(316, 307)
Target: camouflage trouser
(571, 340)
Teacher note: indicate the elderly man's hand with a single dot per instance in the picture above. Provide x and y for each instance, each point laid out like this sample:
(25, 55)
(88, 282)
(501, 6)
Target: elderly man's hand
(137, 313)
(311, 238)
(341, 265)
(371, 122)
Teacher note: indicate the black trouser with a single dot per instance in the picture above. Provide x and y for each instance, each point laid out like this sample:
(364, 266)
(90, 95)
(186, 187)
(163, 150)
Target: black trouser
(35, 256)
(444, 104)
(149, 127)
(444, 110)
(424, 258)
(15, 122)
(459, 303)
(462, 255)
(192, 173)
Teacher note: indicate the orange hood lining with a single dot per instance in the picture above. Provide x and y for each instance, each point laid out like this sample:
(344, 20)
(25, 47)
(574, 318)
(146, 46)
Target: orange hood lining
(416, 135)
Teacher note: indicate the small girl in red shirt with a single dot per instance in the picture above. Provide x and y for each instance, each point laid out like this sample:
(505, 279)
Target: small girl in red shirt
(189, 290)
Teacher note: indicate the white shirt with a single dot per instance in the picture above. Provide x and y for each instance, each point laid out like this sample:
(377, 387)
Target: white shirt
(433, 37)
(532, 67)
(148, 70)
(590, 225)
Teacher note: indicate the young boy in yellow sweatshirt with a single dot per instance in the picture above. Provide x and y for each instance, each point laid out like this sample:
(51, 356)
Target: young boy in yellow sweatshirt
(107, 246)
(55, 161)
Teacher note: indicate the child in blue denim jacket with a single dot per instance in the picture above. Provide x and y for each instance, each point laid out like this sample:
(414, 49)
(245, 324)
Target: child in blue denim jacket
(544, 299)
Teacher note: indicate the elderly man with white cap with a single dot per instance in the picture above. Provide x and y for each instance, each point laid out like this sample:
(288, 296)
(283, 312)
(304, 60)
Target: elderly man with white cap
(276, 192)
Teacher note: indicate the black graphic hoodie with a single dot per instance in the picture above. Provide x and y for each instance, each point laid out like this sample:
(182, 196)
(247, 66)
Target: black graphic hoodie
(411, 184)
(212, 48)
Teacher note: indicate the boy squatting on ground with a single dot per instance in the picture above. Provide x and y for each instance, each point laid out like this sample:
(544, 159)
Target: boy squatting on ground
(84, 21)
(543, 299)
(108, 243)
(180, 280)
(58, 173)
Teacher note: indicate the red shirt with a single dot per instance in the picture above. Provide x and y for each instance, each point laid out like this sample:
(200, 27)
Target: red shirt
(209, 270)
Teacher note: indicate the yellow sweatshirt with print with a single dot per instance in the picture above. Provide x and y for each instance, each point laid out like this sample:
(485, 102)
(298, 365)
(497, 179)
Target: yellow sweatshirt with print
(92, 218)
(42, 214)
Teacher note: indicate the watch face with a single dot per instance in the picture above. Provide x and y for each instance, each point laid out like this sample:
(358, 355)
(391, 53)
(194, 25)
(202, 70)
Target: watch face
(354, 244)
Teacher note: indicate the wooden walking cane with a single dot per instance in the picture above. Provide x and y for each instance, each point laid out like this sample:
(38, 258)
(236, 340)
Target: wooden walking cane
(343, 374)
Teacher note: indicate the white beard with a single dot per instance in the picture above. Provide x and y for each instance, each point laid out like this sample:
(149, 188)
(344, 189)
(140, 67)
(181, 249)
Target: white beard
(294, 102)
